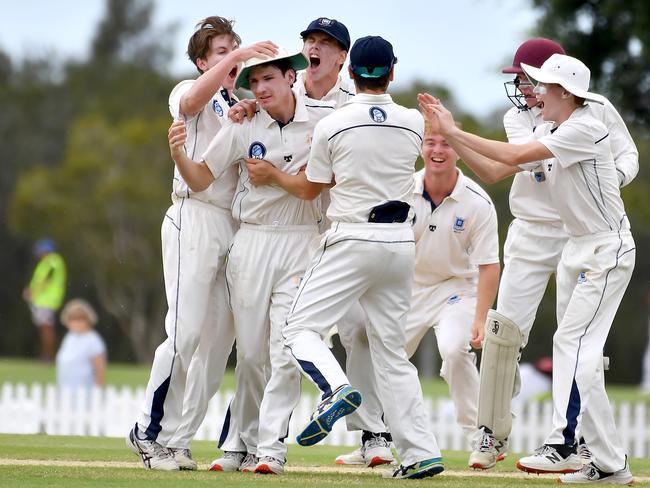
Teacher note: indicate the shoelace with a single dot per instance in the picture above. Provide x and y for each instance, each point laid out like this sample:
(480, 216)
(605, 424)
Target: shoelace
(231, 455)
(250, 459)
(543, 450)
(584, 452)
(486, 443)
(377, 441)
(269, 459)
(161, 451)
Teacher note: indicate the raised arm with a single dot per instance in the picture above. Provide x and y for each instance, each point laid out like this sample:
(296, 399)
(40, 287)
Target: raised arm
(196, 174)
(209, 82)
(509, 154)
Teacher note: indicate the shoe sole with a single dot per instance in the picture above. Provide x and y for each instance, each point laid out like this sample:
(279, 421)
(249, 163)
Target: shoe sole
(218, 467)
(483, 467)
(318, 428)
(528, 469)
(378, 461)
(427, 472)
(265, 469)
(348, 463)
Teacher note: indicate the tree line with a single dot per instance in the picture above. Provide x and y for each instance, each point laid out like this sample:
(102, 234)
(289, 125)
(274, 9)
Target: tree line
(85, 161)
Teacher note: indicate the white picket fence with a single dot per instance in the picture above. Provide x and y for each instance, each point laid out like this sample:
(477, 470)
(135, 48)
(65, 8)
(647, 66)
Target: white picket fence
(111, 412)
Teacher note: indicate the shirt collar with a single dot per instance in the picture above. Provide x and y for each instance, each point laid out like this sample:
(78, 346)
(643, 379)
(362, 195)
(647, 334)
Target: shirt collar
(372, 99)
(456, 193)
(300, 114)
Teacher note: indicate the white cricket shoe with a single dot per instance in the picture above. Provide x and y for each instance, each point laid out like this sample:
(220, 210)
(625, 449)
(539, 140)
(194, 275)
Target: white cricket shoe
(591, 474)
(230, 461)
(269, 465)
(153, 455)
(547, 459)
(355, 457)
(249, 463)
(183, 458)
(488, 450)
(376, 451)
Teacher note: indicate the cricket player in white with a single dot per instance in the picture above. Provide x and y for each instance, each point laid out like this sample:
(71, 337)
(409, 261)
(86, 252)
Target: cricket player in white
(369, 146)
(196, 232)
(326, 42)
(262, 283)
(456, 277)
(594, 270)
(536, 237)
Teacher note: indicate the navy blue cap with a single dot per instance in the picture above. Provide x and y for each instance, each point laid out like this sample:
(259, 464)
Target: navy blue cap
(331, 27)
(44, 246)
(372, 57)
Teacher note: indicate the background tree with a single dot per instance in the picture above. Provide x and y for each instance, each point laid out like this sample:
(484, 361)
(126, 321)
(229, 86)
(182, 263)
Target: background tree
(611, 37)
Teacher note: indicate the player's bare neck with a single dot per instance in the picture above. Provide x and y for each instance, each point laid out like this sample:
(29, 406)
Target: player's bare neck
(317, 89)
(439, 186)
(284, 112)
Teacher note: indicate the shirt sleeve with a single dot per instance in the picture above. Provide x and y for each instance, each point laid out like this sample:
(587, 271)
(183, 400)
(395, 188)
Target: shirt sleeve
(626, 155)
(175, 99)
(319, 166)
(575, 140)
(96, 345)
(485, 238)
(225, 149)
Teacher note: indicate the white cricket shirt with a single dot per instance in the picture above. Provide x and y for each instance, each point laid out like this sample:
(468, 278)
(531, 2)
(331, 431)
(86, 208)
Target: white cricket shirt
(582, 179)
(201, 129)
(371, 145)
(285, 147)
(529, 195)
(340, 93)
(457, 236)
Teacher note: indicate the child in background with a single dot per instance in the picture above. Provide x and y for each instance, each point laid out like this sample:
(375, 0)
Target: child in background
(81, 359)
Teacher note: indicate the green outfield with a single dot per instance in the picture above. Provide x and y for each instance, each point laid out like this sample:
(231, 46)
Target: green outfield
(71, 462)
(28, 371)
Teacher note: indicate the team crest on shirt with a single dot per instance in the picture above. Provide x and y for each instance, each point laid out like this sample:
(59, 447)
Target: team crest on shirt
(459, 224)
(582, 277)
(453, 299)
(377, 114)
(539, 176)
(217, 108)
(256, 150)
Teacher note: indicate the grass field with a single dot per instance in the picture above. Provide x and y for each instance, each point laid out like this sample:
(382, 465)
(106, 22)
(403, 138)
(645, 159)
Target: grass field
(28, 371)
(72, 462)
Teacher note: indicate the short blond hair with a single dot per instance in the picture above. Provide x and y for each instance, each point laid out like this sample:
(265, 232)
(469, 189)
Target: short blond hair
(429, 130)
(78, 308)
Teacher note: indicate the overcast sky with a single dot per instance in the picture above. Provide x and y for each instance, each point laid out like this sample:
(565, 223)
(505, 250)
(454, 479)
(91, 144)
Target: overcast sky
(462, 44)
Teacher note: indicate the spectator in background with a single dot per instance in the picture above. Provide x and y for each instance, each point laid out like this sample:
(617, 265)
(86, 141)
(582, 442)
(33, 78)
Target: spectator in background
(81, 360)
(45, 294)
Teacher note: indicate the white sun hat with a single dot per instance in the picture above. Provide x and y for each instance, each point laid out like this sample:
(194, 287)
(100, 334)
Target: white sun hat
(298, 61)
(566, 71)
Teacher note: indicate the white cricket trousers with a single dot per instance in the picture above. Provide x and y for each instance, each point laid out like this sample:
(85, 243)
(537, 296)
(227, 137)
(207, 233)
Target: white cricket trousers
(195, 239)
(531, 255)
(371, 264)
(593, 275)
(449, 308)
(265, 266)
